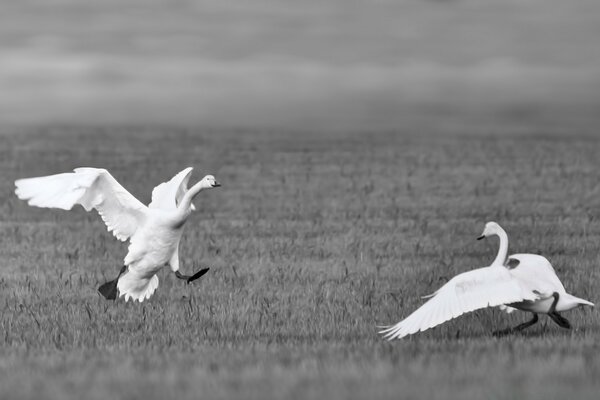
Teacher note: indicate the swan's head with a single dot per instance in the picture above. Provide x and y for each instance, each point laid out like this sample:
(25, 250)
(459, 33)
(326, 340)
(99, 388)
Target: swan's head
(491, 229)
(209, 181)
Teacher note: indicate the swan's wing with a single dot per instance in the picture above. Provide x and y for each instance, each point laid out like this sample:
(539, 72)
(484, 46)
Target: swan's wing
(168, 194)
(92, 188)
(469, 291)
(535, 272)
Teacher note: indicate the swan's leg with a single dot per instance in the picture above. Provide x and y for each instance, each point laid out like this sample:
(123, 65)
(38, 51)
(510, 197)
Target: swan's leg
(109, 289)
(191, 278)
(560, 320)
(519, 327)
(527, 324)
(556, 317)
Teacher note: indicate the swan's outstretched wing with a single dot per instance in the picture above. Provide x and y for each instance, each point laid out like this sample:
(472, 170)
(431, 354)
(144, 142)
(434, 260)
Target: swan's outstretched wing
(535, 272)
(168, 194)
(92, 188)
(469, 291)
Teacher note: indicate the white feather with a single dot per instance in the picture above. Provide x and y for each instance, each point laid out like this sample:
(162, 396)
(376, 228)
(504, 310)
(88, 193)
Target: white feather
(469, 291)
(168, 194)
(134, 286)
(92, 188)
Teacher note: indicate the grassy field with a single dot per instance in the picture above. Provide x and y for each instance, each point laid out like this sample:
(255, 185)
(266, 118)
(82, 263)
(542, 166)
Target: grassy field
(313, 240)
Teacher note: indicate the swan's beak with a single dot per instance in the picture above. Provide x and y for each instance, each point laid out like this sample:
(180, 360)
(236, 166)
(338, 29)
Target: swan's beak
(216, 184)
(481, 237)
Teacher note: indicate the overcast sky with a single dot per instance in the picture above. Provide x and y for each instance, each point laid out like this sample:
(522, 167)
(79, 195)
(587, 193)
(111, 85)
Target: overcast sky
(299, 64)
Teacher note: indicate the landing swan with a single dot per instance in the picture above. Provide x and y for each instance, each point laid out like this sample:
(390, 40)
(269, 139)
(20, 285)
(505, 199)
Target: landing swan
(153, 231)
(522, 281)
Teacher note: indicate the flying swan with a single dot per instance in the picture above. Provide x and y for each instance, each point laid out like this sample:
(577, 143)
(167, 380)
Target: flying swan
(525, 282)
(153, 231)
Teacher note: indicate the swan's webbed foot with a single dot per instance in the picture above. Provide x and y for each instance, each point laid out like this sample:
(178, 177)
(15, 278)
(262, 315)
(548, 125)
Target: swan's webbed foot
(517, 328)
(191, 278)
(109, 289)
(560, 320)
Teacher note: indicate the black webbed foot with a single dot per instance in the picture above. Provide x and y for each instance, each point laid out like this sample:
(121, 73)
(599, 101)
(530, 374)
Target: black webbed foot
(191, 278)
(109, 289)
(560, 320)
(197, 275)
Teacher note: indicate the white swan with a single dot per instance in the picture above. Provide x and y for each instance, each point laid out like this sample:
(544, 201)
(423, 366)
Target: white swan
(153, 232)
(523, 281)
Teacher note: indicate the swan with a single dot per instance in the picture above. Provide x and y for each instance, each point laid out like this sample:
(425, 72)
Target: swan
(153, 231)
(525, 282)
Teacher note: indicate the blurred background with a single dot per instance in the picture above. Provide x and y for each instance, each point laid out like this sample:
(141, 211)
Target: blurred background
(312, 64)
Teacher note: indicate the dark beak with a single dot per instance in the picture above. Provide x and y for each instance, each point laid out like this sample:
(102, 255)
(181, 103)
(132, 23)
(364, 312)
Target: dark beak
(481, 237)
(216, 184)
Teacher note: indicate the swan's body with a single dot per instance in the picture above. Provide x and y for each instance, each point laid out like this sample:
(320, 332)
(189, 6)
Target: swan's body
(153, 231)
(537, 273)
(522, 281)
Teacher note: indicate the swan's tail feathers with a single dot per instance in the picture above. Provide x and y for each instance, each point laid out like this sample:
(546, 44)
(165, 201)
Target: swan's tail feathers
(136, 287)
(583, 302)
(587, 303)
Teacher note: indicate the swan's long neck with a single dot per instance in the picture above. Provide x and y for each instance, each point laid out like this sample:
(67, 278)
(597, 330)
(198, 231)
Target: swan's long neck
(184, 206)
(503, 250)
